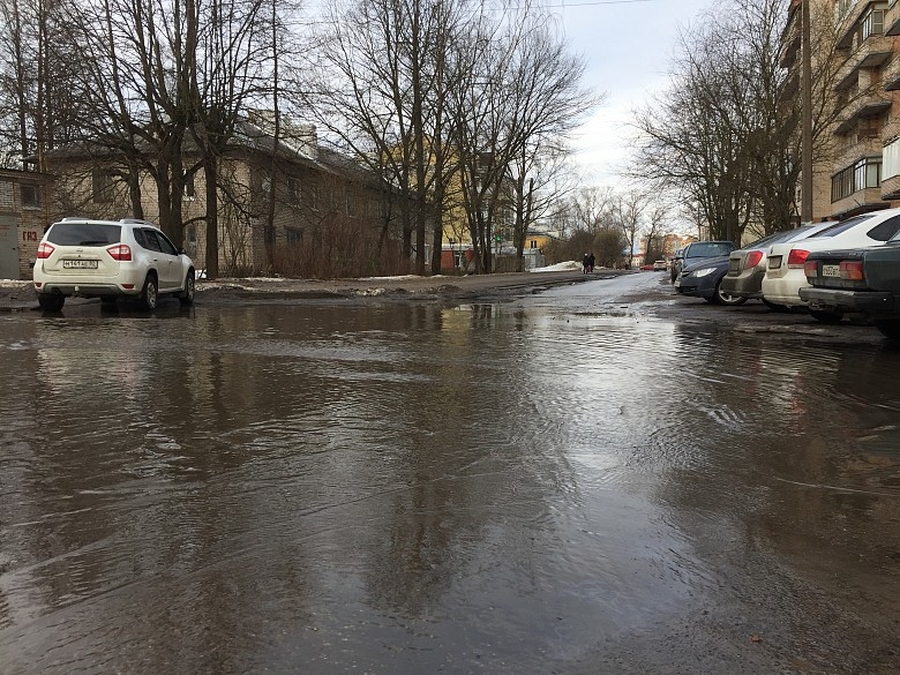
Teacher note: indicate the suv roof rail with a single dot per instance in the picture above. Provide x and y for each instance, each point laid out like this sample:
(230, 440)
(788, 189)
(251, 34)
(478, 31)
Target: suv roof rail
(136, 221)
(73, 218)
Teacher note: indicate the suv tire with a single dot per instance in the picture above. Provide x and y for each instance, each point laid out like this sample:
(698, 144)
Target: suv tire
(150, 293)
(51, 302)
(186, 298)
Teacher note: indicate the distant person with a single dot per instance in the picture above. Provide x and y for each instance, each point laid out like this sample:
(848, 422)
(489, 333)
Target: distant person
(591, 261)
(585, 262)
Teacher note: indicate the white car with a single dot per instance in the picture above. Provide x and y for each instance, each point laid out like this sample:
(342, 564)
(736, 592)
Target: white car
(110, 259)
(784, 274)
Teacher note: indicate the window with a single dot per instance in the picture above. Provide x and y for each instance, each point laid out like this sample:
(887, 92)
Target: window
(872, 23)
(190, 191)
(103, 186)
(884, 231)
(165, 244)
(151, 243)
(891, 153)
(84, 234)
(866, 173)
(293, 186)
(310, 190)
(31, 196)
(293, 235)
(190, 240)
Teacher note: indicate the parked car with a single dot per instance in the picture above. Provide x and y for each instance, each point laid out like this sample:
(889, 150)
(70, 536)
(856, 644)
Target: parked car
(696, 251)
(703, 279)
(126, 258)
(863, 282)
(747, 265)
(659, 265)
(784, 274)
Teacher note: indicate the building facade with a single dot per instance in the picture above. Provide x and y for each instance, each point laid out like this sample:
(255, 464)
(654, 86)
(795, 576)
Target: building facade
(23, 214)
(291, 207)
(855, 49)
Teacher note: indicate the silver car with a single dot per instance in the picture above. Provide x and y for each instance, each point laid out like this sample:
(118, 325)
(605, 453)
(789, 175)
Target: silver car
(110, 259)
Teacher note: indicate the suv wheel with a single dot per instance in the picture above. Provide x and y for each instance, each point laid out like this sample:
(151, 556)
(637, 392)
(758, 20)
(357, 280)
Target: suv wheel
(187, 295)
(150, 293)
(51, 303)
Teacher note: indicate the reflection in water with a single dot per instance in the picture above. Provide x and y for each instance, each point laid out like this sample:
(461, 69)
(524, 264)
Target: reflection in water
(407, 489)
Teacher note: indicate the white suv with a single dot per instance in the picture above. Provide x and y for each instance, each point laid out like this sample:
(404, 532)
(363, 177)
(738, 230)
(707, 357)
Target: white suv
(110, 259)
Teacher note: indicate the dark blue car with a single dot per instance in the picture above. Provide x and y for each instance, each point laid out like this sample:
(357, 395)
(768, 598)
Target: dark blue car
(703, 279)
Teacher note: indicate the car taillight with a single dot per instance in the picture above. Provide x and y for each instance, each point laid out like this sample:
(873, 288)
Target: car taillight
(44, 250)
(852, 270)
(753, 259)
(120, 252)
(811, 269)
(797, 257)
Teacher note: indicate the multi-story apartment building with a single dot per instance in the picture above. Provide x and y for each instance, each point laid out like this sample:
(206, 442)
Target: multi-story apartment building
(856, 46)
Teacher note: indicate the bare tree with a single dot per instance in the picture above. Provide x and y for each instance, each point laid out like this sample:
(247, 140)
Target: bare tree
(38, 111)
(519, 99)
(384, 73)
(725, 138)
(628, 211)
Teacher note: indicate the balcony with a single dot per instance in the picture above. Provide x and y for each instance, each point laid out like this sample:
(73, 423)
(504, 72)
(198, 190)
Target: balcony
(791, 87)
(892, 20)
(849, 29)
(863, 108)
(859, 145)
(872, 53)
(891, 75)
(790, 42)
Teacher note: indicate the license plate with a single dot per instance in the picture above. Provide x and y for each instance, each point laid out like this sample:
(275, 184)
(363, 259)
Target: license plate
(79, 264)
(774, 262)
(831, 270)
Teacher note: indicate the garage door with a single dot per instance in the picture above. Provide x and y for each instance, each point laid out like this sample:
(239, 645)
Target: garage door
(9, 248)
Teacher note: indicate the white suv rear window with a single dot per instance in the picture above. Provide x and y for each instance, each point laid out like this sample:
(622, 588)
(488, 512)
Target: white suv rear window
(84, 234)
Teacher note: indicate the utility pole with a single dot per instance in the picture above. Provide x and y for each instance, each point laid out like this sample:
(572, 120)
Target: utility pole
(806, 168)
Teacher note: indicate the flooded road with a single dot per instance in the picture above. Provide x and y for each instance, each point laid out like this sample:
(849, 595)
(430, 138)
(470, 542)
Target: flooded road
(570, 483)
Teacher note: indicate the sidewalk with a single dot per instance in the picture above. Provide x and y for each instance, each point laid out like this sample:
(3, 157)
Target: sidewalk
(17, 296)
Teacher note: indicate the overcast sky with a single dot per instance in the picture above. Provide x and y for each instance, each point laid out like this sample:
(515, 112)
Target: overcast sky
(628, 45)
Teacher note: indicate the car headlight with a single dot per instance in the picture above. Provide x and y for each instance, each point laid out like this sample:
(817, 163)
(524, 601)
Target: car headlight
(703, 272)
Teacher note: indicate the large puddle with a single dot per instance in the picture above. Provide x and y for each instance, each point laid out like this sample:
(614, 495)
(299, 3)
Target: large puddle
(410, 489)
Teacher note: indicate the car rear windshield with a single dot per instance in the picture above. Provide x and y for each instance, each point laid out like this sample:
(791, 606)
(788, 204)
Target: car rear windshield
(843, 226)
(709, 250)
(775, 238)
(84, 234)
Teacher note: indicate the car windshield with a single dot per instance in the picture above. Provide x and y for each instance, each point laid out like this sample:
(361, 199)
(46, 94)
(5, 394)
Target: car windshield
(709, 249)
(84, 234)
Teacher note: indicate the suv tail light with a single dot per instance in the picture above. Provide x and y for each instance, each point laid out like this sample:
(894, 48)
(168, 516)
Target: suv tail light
(811, 269)
(753, 259)
(44, 250)
(797, 257)
(120, 252)
(852, 270)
